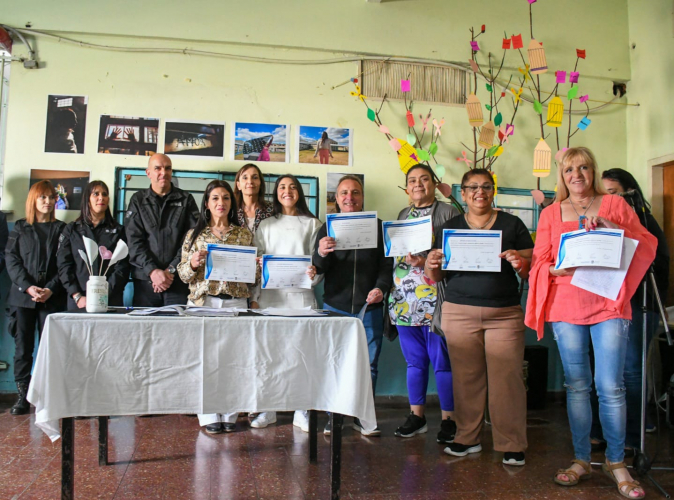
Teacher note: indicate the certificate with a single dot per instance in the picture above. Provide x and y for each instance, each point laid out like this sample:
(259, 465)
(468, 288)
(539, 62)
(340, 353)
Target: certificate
(353, 230)
(407, 236)
(285, 271)
(597, 248)
(231, 263)
(471, 250)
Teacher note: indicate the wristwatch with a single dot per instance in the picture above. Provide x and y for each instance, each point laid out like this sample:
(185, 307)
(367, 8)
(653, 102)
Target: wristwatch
(171, 269)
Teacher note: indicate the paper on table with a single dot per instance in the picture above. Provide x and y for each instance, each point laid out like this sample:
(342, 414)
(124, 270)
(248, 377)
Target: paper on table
(211, 311)
(280, 311)
(603, 281)
(407, 236)
(353, 230)
(174, 309)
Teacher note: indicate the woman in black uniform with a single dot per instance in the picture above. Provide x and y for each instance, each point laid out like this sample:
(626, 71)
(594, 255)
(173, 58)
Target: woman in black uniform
(96, 223)
(36, 290)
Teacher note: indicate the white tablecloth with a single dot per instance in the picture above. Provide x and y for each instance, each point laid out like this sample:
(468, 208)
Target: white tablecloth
(97, 364)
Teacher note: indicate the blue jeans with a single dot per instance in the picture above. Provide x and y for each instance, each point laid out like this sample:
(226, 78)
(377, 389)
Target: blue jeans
(609, 339)
(374, 330)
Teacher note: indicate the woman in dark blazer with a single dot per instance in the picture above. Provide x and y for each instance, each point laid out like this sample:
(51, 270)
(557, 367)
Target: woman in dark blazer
(36, 290)
(96, 223)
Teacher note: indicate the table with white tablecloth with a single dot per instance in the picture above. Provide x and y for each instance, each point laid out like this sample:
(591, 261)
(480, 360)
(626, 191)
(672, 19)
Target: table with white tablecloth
(117, 364)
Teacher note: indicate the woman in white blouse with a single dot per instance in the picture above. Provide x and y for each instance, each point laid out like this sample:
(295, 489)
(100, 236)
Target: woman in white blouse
(290, 231)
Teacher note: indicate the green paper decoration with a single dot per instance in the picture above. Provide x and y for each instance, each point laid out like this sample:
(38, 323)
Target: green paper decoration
(492, 150)
(538, 107)
(498, 119)
(411, 139)
(489, 89)
(423, 155)
(370, 114)
(573, 92)
(433, 148)
(488, 107)
(440, 170)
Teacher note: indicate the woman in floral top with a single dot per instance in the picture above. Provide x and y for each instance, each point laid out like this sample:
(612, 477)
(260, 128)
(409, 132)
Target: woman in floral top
(217, 224)
(249, 194)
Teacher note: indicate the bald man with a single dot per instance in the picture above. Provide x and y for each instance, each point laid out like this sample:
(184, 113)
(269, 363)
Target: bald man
(156, 222)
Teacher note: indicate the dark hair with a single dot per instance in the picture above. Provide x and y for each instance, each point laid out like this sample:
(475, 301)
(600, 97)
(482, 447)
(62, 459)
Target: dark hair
(205, 213)
(65, 118)
(260, 195)
(347, 177)
(425, 167)
(301, 205)
(627, 181)
(85, 211)
(475, 172)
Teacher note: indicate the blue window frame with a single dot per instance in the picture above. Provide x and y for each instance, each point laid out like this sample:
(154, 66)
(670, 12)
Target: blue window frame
(130, 180)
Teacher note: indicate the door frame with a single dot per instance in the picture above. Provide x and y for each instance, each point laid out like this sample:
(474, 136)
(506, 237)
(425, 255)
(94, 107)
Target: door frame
(655, 172)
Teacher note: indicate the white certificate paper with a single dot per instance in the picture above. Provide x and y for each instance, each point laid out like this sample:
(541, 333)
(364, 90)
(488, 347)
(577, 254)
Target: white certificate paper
(231, 263)
(471, 250)
(603, 281)
(353, 230)
(407, 236)
(285, 271)
(597, 248)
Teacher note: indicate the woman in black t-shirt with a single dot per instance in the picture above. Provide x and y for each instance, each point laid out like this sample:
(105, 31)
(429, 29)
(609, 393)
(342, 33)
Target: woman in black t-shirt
(483, 323)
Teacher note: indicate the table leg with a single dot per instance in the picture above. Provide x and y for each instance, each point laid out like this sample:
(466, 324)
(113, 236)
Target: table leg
(103, 441)
(313, 436)
(336, 455)
(67, 459)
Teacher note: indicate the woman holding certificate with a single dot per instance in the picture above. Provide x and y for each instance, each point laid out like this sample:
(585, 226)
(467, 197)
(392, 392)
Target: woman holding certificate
(483, 320)
(411, 306)
(217, 224)
(290, 231)
(249, 195)
(578, 316)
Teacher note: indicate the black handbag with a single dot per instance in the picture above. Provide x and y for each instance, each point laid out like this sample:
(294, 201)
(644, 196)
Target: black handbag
(390, 330)
(436, 322)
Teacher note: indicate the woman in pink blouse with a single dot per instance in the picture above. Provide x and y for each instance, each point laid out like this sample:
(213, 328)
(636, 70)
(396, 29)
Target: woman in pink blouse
(578, 316)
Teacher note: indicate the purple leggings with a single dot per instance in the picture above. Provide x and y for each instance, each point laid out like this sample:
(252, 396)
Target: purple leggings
(420, 347)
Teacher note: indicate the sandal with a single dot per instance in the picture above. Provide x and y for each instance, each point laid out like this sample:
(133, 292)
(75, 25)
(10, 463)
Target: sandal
(573, 476)
(631, 485)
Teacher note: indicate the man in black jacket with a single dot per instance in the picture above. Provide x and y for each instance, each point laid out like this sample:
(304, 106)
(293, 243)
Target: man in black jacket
(156, 222)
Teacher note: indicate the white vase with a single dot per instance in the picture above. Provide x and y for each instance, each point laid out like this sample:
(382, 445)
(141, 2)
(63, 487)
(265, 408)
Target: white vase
(97, 294)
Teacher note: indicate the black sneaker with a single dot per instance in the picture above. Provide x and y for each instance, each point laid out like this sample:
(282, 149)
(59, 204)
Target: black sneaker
(447, 431)
(461, 450)
(513, 458)
(413, 425)
(215, 428)
(228, 427)
(357, 426)
(327, 430)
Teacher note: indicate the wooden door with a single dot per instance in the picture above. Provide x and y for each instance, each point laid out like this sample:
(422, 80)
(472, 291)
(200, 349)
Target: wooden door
(668, 221)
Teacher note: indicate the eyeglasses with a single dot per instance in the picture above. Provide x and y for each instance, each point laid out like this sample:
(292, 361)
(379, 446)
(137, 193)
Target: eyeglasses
(487, 188)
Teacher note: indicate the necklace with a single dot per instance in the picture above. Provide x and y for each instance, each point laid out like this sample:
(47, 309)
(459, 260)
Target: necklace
(581, 218)
(219, 232)
(481, 227)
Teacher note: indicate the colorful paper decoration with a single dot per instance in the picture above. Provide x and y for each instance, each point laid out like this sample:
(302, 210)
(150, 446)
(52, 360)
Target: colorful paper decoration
(474, 46)
(411, 139)
(487, 133)
(474, 66)
(410, 119)
(405, 85)
(517, 41)
(407, 156)
(498, 119)
(358, 94)
(495, 184)
(438, 126)
(371, 114)
(506, 44)
(573, 92)
(433, 148)
(525, 72)
(423, 155)
(488, 106)
(474, 108)
(465, 159)
(384, 129)
(584, 123)
(555, 112)
(573, 76)
(425, 121)
(483, 29)
(395, 144)
(495, 151)
(561, 76)
(517, 94)
(440, 170)
(580, 53)
(537, 61)
(532, 1)
(542, 159)
(505, 132)
(445, 189)
(488, 87)
(558, 154)
(584, 98)
(538, 107)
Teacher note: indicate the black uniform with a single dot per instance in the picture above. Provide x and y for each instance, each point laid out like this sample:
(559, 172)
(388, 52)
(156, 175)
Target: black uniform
(73, 270)
(155, 228)
(4, 234)
(31, 261)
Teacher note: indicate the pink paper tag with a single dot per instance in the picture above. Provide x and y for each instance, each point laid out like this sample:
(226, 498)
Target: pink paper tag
(474, 46)
(561, 76)
(405, 85)
(573, 76)
(395, 144)
(584, 98)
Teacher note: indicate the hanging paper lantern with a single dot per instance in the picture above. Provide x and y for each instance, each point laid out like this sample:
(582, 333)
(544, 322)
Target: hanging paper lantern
(487, 133)
(474, 108)
(555, 112)
(537, 61)
(407, 156)
(542, 159)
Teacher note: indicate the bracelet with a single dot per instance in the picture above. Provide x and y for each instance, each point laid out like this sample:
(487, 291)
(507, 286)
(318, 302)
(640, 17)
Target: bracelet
(77, 297)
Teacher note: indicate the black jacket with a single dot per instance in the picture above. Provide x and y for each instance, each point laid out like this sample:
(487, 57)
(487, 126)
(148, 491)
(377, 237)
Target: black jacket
(4, 234)
(23, 266)
(73, 270)
(155, 231)
(660, 268)
(350, 275)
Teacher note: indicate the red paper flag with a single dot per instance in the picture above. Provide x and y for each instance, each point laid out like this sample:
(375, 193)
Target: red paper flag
(483, 28)
(580, 53)
(410, 119)
(517, 41)
(506, 43)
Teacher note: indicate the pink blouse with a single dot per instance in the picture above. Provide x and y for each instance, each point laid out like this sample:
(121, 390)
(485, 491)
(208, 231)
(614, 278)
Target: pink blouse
(554, 298)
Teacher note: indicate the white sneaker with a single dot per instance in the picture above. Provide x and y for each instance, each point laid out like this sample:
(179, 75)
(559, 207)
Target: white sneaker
(301, 420)
(263, 419)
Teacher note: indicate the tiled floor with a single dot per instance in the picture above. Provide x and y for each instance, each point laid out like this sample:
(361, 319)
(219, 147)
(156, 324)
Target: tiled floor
(168, 457)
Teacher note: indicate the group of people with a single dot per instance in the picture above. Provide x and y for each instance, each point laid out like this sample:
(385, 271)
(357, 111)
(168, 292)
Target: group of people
(468, 325)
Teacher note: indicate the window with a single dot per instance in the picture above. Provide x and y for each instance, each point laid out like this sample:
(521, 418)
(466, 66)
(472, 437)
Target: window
(130, 180)
(515, 201)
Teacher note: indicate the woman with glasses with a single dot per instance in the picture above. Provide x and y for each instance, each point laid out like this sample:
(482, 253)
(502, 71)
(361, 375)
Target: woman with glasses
(484, 326)
(36, 290)
(411, 306)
